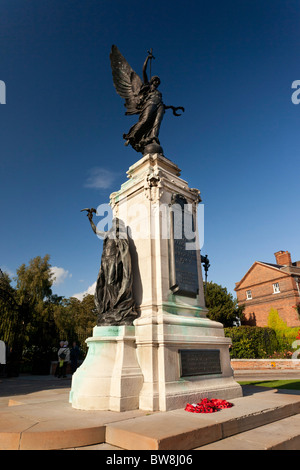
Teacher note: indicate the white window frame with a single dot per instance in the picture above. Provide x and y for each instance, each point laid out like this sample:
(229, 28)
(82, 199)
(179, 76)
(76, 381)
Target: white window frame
(276, 288)
(248, 295)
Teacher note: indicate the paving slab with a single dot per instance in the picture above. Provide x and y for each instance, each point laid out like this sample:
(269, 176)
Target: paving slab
(280, 435)
(182, 430)
(48, 421)
(25, 384)
(102, 446)
(44, 419)
(266, 374)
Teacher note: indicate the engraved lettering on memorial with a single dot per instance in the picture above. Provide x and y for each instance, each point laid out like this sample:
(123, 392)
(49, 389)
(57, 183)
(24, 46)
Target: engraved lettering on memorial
(183, 262)
(199, 362)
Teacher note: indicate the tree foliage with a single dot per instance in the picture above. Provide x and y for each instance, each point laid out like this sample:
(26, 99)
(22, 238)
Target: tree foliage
(75, 319)
(33, 320)
(285, 335)
(11, 329)
(222, 307)
(34, 281)
(251, 342)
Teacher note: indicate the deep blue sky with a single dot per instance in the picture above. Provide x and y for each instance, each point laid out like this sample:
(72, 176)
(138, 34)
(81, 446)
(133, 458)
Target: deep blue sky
(230, 63)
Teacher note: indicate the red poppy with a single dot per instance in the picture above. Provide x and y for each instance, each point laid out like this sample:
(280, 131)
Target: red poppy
(208, 406)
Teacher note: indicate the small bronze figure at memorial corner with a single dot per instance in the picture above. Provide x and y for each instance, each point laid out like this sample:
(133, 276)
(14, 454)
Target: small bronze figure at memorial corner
(113, 295)
(142, 98)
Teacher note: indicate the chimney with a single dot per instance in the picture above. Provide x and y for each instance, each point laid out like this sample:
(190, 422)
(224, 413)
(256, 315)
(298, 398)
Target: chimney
(283, 258)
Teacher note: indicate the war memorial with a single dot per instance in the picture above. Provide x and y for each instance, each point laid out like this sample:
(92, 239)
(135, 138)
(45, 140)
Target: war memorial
(154, 357)
(153, 347)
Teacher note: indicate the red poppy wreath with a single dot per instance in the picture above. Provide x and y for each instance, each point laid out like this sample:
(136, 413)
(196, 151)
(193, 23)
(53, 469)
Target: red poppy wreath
(208, 406)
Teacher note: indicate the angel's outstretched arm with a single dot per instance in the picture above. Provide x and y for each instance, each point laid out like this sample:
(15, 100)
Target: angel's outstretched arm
(174, 109)
(145, 77)
(95, 230)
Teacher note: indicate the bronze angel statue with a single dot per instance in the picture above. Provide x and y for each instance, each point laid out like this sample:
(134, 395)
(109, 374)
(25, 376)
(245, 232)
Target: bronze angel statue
(142, 98)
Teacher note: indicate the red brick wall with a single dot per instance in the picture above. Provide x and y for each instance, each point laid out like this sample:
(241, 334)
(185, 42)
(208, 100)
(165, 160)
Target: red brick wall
(260, 280)
(283, 305)
(265, 364)
(283, 257)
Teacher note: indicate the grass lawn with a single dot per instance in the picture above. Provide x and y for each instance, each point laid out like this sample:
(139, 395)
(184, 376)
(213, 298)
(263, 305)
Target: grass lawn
(284, 384)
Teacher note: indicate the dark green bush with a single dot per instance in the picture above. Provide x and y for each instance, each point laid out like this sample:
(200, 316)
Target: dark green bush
(252, 342)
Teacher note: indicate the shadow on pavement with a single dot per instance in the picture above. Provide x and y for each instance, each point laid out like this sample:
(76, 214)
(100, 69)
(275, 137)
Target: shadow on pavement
(24, 384)
(256, 388)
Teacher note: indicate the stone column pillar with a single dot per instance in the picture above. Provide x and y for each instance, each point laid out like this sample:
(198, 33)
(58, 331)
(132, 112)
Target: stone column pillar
(168, 290)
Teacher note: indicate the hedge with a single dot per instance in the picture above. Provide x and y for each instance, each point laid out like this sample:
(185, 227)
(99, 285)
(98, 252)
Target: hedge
(252, 342)
(258, 342)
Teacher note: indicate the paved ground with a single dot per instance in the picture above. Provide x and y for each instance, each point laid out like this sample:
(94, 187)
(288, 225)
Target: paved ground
(34, 383)
(247, 375)
(24, 384)
(39, 404)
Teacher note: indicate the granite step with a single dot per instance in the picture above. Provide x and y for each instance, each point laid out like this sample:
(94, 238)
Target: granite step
(181, 430)
(280, 435)
(45, 420)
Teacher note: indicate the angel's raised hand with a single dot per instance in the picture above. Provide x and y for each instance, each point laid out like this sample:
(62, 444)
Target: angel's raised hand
(150, 55)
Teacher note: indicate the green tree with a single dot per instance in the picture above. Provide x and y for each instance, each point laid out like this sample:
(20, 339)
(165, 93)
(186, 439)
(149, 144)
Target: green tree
(87, 319)
(275, 321)
(75, 319)
(9, 311)
(33, 294)
(12, 324)
(33, 320)
(34, 281)
(222, 307)
(251, 342)
(285, 335)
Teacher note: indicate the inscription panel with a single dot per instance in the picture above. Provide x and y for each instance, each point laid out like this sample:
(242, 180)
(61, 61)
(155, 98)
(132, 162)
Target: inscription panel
(184, 267)
(199, 362)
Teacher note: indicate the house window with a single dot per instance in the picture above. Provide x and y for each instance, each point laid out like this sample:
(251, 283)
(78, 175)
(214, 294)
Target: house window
(248, 294)
(276, 289)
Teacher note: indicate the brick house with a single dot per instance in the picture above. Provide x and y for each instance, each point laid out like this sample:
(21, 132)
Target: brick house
(267, 286)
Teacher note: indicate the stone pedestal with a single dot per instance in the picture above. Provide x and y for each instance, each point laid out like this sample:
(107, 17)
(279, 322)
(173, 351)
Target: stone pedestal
(168, 289)
(110, 377)
(183, 359)
(173, 354)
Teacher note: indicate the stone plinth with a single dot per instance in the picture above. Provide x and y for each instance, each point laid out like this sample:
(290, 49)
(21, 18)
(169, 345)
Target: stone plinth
(173, 354)
(171, 318)
(110, 377)
(160, 346)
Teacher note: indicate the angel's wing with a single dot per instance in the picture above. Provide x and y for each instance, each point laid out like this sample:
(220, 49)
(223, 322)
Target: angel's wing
(127, 83)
